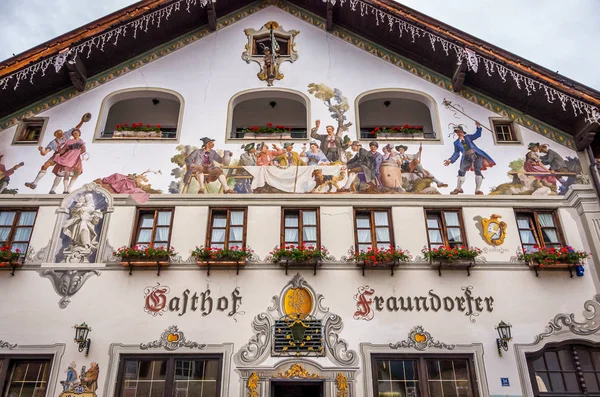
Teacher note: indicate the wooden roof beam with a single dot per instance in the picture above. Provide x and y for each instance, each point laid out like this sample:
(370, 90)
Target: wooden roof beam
(460, 73)
(212, 16)
(585, 135)
(329, 17)
(77, 72)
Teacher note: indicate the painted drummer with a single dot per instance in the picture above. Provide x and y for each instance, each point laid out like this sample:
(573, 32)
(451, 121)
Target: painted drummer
(412, 163)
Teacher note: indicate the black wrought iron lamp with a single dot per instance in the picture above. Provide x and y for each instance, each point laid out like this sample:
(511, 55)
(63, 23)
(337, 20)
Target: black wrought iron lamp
(81, 337)
(504, 336)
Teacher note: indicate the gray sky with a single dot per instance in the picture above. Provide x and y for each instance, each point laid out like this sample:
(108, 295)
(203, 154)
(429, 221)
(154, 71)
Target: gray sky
(561, 35)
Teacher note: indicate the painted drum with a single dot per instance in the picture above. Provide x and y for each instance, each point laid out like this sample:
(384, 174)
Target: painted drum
(390, 174)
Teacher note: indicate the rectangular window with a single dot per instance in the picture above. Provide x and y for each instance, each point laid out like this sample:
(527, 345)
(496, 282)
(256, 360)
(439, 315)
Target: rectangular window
(169, 376)
(227, 228)
(539, 228)
(16, 227)
(420, 376)
(30, 131)
(504, 131)
(445, 228)
(154, 227)
(24, 377)
(301, 226)
(373, 229)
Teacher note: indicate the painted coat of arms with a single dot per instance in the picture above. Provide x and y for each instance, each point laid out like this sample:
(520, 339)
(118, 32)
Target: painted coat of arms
(494, 230)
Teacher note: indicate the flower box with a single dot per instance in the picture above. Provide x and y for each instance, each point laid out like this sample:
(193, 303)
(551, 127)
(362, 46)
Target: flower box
(452, 264)
(299, 256)
(400, 136)
(267, 135)
(144, 261)
(552, 258)
(137, 135)
(378, 265)
(221, 262)
(12, 264)
(556, 266)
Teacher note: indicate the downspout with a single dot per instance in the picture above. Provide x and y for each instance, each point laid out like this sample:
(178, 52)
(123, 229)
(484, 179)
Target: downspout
(593, 169)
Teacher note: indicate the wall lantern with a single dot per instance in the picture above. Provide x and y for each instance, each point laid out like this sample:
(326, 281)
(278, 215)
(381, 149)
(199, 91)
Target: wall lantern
(273, 104)
(504, 336)
(81, 337)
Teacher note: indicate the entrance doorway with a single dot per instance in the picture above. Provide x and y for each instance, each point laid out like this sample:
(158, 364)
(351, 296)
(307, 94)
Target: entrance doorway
(294, 388)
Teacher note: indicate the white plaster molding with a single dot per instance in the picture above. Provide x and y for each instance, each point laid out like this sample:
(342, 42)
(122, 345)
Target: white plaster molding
(338, 200)
(56, 351)
(475, 349)
(117, 349)
(67, 282)
(327, 374)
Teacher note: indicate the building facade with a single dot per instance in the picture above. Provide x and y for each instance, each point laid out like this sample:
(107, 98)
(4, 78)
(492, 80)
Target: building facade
(277, 125)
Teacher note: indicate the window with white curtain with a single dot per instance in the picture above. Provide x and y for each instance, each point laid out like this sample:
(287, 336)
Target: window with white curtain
(539, 228)
(301, 226)
(566, 369)
(16, 227)
(154, 228)
(373, 229)
(227, 228)
(445, 228)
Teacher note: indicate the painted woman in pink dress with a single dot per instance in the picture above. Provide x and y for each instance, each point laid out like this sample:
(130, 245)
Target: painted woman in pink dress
(68, 162)
(533, 163)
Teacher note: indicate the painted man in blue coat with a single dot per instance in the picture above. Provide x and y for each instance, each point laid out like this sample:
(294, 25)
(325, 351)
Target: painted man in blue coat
(473, 158)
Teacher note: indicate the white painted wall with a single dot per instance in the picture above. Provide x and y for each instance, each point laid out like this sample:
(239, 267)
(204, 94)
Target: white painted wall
(113, 303)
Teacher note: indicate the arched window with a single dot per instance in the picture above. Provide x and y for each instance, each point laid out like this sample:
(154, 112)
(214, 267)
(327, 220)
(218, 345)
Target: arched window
(398, 115)
(269, 114)
(140, 114)
(565, 369)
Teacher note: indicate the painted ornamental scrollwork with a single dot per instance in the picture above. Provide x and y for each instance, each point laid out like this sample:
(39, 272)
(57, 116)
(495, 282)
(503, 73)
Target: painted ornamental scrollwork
(172, 339)
(259, 345)
(341, 384)
(589, 326)
(252, 385)
(67, 283)
(494, 230)
(297, 371)
(6, 345)
(421, 340)
(270, 47)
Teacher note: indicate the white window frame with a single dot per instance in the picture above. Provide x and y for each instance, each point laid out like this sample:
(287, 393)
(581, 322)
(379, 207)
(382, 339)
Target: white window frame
(514, 127)
(129, 93)
(23, 124)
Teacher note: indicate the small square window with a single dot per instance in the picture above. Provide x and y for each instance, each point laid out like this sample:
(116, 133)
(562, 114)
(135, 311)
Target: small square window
(30, 131)
(505, 131)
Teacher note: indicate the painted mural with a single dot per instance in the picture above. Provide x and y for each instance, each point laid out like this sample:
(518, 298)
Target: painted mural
(83, 385)
(330, 163)
(541, 171)
(68, 153)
